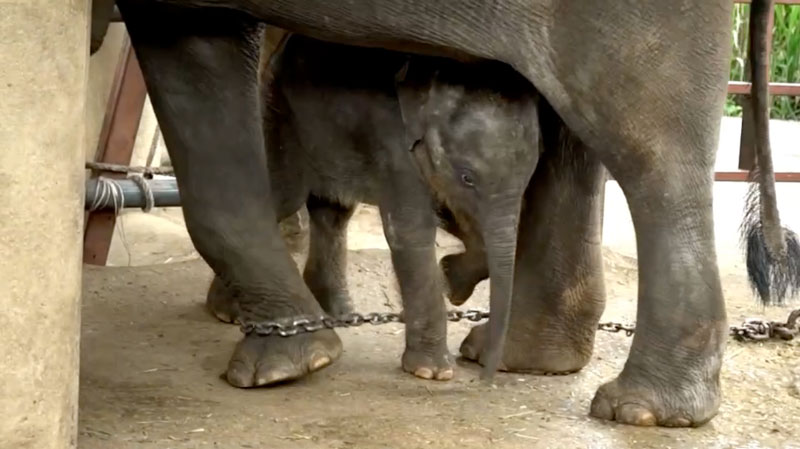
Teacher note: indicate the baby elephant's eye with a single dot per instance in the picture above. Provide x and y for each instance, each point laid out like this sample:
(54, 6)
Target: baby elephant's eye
(467, 180)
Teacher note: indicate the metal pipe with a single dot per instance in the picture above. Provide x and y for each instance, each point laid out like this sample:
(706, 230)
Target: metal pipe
(165, 193)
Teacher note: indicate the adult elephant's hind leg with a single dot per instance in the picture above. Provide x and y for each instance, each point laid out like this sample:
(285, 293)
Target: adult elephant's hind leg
(326, 267)
(200, 69)
(650, 111)
(671, 377)
(661, 152)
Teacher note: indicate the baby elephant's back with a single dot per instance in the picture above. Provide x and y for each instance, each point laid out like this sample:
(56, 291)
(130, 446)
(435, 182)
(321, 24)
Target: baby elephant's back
(340, 103)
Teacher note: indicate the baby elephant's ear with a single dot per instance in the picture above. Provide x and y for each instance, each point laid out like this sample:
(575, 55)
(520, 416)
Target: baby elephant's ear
(413, 85)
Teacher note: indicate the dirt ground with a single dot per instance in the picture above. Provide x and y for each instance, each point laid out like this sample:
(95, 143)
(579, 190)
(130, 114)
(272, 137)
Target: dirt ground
(152, 359)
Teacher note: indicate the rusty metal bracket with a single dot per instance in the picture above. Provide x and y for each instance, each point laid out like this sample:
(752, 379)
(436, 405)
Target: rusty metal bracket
(117, 138)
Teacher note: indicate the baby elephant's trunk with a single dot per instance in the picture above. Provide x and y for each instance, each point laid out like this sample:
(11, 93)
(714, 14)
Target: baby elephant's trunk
(500, 224)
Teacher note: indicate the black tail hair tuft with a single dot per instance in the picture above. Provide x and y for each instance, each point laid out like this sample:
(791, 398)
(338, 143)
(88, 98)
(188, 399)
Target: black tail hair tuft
(773, 280)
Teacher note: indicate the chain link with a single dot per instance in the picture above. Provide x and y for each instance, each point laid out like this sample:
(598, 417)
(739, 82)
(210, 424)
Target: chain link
(751, 329)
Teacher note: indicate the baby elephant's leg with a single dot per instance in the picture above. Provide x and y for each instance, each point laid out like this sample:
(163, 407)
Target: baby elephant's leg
(410, 228)
(326, 268)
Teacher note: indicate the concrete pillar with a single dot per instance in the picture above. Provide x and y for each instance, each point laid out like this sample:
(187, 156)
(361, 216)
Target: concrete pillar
(44, 51)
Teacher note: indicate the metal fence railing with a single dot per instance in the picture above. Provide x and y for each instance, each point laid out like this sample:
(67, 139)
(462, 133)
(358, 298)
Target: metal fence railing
(746, 146)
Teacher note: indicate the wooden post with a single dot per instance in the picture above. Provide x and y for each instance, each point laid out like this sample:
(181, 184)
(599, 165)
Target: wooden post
(117, 138)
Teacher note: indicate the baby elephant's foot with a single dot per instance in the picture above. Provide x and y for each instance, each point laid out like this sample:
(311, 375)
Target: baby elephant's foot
(462, 274)
(427, 364)
(220, 302)
(261, 361)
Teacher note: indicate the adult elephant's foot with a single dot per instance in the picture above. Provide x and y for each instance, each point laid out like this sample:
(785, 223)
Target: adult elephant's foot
(429, 364)
(261, 361)
(326, 267)
(221, 303)
(534, 351)
(661, 399)
(462, 273)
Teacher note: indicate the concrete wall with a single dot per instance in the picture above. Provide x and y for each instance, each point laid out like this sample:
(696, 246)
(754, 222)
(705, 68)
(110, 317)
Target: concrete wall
(44, 72)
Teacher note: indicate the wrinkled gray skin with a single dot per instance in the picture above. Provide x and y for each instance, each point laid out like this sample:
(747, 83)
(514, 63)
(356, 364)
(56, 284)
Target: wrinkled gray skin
(639, 85)
(337, 122)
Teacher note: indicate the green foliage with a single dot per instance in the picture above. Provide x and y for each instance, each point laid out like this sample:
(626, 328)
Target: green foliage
(784, 62)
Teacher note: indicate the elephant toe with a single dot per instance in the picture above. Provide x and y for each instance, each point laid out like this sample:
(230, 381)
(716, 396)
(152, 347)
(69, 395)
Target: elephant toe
(430, 365)
(262, 361)
(646, 407)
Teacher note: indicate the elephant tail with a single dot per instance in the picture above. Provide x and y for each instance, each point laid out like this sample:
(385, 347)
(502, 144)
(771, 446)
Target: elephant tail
(772, 252)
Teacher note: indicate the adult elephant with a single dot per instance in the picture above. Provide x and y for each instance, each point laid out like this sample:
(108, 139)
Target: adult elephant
(639, 84)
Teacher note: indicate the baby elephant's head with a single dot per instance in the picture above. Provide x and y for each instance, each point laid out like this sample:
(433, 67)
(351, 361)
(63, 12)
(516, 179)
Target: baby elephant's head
(475, 134)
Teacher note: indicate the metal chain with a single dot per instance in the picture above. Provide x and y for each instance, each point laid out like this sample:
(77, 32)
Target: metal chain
(751, 329)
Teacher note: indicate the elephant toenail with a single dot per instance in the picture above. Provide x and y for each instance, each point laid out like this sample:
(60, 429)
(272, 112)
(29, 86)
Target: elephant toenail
(319, 361)
(678, 422)
(272, 377)
(601, 408)
(224, 317)
(636, 414)
(647, 419)
(239, 374)
(444, 374)
(424, 373)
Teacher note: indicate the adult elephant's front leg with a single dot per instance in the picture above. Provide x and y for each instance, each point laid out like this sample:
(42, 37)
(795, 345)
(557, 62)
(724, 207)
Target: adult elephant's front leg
(559, 293)
(200, 69)
(656, 132)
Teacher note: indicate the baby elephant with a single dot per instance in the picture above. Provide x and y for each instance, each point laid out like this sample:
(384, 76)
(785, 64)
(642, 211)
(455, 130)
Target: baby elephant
(412, 135)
